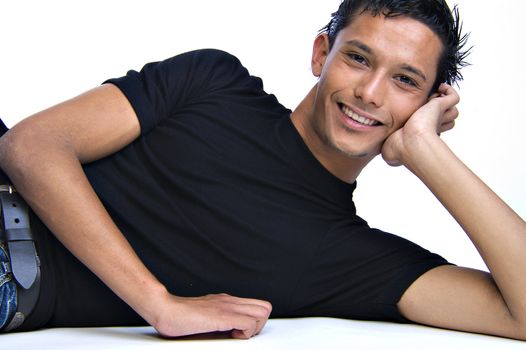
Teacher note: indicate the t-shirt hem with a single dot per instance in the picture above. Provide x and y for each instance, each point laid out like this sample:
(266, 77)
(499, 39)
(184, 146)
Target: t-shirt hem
(403, 281)
(140, 105)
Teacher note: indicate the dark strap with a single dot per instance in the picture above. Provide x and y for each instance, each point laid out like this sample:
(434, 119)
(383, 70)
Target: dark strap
(17, 235)
(25, 265)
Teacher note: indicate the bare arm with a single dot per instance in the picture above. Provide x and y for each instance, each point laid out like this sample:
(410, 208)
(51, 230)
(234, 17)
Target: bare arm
(454, 297)
(43, 155)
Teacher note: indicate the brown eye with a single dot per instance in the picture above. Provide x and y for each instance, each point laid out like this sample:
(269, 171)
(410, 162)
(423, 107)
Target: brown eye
(357, 58)
(406, 80)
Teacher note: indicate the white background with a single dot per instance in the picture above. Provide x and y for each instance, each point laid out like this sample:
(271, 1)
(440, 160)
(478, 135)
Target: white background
(52, 50)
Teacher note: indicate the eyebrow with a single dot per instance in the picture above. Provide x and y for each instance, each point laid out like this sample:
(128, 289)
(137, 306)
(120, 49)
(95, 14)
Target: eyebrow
(414, 70)
(362, 46)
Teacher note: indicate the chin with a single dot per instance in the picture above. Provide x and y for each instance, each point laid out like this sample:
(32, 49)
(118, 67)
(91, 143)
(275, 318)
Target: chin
(354, 152)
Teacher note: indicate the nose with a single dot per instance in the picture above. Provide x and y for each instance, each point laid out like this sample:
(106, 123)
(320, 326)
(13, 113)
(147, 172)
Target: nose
(371, 89)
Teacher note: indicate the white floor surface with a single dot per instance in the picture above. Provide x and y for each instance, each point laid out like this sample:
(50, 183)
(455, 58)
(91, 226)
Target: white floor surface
(303, 333)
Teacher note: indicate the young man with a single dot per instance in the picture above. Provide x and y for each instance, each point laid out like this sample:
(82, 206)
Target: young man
(184, 181)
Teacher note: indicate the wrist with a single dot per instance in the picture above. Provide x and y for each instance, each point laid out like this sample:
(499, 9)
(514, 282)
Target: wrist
(152, 301)
(421, 151)
(407, 147)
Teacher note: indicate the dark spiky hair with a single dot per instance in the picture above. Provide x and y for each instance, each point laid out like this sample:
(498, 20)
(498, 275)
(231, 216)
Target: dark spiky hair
(435, 14)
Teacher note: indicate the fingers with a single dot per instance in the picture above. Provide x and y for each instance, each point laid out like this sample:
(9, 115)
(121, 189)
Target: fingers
(243, 317)
(259, 302)
(448, 96)
(447, 126)
(450, 115)
(246, 328)
(252, 313)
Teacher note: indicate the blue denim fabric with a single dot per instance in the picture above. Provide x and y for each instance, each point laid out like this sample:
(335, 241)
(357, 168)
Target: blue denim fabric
(7, 288)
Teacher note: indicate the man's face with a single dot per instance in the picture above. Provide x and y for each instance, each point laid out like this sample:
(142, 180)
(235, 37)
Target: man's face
(377, 74)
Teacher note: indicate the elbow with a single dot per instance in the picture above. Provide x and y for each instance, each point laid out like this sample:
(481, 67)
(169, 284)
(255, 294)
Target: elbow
(32, 149)
(20, 149)
(10, 152)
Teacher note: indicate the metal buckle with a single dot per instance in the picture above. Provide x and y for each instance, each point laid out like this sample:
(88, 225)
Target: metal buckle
(7, 188)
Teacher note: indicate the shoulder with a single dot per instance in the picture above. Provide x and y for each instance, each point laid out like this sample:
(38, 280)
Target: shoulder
(212, 68)
(215, 54)
(205, 58)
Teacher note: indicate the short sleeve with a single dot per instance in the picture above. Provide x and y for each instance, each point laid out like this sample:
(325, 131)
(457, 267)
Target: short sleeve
(159, 89)
(361, 273)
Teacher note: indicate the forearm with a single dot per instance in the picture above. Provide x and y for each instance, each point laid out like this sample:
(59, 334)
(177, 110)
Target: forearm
(52, 181)
(495, 229)
(43, 154)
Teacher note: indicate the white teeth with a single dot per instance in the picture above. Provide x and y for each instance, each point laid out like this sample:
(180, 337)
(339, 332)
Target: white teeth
(358, 118)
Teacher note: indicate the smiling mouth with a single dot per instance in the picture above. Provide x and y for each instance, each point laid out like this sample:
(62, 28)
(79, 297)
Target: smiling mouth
(358, 118)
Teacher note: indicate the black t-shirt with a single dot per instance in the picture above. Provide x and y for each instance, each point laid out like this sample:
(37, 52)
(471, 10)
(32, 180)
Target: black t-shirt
(220, 194)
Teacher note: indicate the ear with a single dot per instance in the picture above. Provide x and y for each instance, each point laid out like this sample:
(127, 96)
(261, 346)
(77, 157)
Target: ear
(320, 50)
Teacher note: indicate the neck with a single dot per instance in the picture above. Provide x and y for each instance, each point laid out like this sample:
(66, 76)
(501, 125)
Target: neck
(343, 166)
